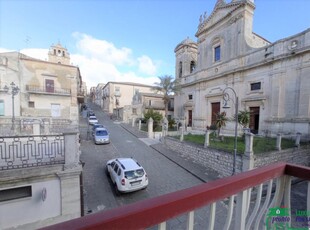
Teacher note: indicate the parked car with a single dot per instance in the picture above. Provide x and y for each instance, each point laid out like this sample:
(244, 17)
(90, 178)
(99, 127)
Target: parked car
(92, 120)
(95, 126)
(127, 175)
(90, 113)
(101, 136)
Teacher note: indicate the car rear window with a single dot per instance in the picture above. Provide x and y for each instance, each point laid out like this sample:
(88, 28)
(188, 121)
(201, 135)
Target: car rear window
(134, 174)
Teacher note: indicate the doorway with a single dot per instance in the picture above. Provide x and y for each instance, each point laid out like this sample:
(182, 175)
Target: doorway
(254, 119)
(190, 115)
(215, 109)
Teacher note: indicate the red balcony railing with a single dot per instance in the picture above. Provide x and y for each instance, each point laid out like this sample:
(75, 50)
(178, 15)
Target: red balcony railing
(238, 188)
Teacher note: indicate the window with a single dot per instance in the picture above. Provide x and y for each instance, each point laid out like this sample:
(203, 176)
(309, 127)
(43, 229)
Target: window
(1, 108)
(49, 86)
(150, 102)
(117, 91)
(134, 111)
(256, 86)
(31, 104)
(55, 110)
(217, 53)
(119, 172)
(180, 69)
(15, 193)
(116, 168)
(190, 97)
(192, 67)
(136, 91)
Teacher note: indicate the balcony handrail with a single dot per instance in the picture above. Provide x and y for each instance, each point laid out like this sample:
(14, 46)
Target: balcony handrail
(157, 210)
(43, 89)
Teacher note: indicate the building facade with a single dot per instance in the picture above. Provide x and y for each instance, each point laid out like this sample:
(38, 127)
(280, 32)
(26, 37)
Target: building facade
(271, 80)
(40, 171)
(48, 98)
(116, 95)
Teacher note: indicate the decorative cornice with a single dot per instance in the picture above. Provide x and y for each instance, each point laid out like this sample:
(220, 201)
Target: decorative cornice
(202, 27)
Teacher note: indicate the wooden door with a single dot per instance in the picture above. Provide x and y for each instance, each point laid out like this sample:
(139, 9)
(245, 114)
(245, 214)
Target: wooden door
(49, 86)
(190, 114)
(215, 108)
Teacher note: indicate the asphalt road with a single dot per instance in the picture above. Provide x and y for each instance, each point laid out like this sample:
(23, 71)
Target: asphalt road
(164, 175)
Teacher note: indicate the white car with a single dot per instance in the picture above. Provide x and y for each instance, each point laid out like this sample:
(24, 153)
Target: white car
(92, 120)
(127, 175)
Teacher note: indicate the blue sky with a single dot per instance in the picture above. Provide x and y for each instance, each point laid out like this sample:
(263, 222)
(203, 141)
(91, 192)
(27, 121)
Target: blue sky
(127, 40)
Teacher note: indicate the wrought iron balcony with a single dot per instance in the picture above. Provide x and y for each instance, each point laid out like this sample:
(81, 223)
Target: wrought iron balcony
(37, 150)
(237, 190)
(43, 90)
(31, 151)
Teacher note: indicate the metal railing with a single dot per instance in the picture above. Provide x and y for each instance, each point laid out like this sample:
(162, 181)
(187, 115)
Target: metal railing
(31, 151)
(42, 89)
(238, 190)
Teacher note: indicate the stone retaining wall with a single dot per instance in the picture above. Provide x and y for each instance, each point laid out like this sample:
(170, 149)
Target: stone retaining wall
(222, 162)
(300, 156)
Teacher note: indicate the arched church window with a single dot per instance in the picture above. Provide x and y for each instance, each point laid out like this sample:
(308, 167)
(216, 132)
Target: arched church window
(217, 52)
(192, 66)
(180, 69)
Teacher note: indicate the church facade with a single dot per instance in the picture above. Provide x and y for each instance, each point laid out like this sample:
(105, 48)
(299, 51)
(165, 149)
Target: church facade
(270, 80)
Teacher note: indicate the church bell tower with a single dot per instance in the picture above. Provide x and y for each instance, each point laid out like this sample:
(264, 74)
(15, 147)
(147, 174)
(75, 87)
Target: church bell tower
(59, 54)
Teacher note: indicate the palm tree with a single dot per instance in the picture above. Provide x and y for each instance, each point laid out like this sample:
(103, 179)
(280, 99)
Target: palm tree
(168, 87)
(221, 120)
(244, 118)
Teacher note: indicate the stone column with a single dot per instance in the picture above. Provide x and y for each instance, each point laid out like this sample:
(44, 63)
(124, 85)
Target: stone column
(72, 156)
(36, 128)
(182, 133)
(279, 139)
(207, 139)
(150, 127)
(140, 124)
(70, 193)
(164, 127)
(133, 122)
(248, 157)
(46, 127)
(297, 141)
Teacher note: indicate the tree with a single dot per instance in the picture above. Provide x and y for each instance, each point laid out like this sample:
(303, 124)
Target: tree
(168, 87)
(155, 115)
(244, 118)
(221, 120)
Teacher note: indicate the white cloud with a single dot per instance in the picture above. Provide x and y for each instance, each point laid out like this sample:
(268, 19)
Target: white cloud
(146, 65)
(101, 61)
(103, 50)
(41, 54)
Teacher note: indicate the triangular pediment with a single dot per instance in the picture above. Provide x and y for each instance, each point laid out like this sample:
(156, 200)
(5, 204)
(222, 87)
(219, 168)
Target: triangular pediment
(219, 13)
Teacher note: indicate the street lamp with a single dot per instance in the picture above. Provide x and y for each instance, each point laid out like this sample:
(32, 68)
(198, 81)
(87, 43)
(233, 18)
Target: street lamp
(227, 98)
(12, 90)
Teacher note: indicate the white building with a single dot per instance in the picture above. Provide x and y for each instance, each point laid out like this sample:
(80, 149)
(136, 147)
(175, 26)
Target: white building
(271, 80)
(39, 145)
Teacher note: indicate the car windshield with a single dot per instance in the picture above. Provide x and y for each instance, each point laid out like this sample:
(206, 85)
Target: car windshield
(134, 174)
(101, 133)
(92, 118)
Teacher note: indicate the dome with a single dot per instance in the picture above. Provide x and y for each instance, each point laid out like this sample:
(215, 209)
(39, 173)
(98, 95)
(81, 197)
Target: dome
(186, 41)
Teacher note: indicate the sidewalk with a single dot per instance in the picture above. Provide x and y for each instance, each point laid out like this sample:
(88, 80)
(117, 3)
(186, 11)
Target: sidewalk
(199, 171)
